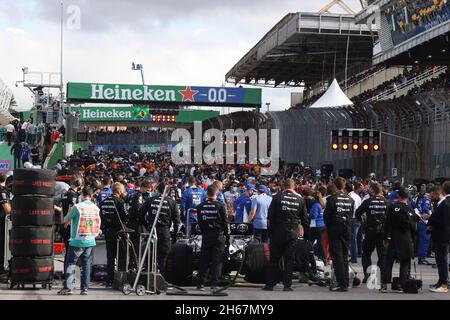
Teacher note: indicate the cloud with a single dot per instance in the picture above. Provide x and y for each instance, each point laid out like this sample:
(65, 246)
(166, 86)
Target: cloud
(15, 31)
(178, 42)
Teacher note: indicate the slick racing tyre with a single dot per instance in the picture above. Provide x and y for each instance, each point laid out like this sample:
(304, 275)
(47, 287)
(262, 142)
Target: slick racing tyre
(257, 263)
(179, 266)
(31, 241)
(32, 211)
(33, 182)
(30, 270)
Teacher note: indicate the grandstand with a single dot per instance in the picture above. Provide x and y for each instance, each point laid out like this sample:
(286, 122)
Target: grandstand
(405, 92)
(411, 32)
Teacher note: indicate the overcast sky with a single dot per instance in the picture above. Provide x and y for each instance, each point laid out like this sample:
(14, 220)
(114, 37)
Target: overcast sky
(179, 42)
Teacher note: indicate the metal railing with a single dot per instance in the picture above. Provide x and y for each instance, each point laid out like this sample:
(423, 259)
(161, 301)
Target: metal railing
(372, 74)
(409, 84)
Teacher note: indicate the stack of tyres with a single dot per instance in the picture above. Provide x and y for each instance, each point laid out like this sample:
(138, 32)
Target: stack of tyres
(32, 216)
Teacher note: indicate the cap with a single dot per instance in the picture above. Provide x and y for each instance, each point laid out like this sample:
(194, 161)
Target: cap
(263, 188)
(249, 186)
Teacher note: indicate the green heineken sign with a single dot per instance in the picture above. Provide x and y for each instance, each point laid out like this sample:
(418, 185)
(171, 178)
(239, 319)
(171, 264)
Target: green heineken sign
(143, 94)
(144, 114)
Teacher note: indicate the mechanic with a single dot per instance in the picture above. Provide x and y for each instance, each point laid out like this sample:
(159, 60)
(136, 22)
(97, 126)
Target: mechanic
(69, 199)
(372, 215)
(5, 209)
(135, 221)
(169, 215)
(214, 227)
(399, 234)
(423, 206)
(114, 215)
(338, 219)
(191, 198)
(286, 212)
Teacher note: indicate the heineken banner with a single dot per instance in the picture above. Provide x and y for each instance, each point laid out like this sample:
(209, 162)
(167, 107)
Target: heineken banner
(139, 94)
(140, 114)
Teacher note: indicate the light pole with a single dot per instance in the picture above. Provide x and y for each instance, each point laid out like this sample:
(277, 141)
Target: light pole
(139, 67)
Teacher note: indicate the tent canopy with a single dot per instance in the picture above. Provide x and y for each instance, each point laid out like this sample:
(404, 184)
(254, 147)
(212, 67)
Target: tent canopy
(5, 117)
(333, 98)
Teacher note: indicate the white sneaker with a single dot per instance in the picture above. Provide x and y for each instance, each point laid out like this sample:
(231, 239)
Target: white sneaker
(441, 289)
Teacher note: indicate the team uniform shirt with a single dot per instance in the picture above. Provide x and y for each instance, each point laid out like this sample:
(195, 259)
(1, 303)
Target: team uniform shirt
(114, 213)
(243, 206)
(169, 213)
(212, 217)
(191, 199)
(85, 226)
(375, 210)
(286, 212)
(106, 192)
(339, 210)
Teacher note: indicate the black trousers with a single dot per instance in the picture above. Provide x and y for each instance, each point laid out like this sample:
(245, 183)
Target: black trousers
(282, 246)
(405, 266)
(318, 234)
(441, 252)
(370, 243)
(164, 247)
(17, 163)
(65, 233)
(213, 246)
(339, 236)
(111, 237)
(9, 136)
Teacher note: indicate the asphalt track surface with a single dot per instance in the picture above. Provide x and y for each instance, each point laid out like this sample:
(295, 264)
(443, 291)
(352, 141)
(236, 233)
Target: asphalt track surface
(254, 293)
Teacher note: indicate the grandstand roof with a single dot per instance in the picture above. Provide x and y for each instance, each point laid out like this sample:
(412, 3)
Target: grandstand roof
(304, 49)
